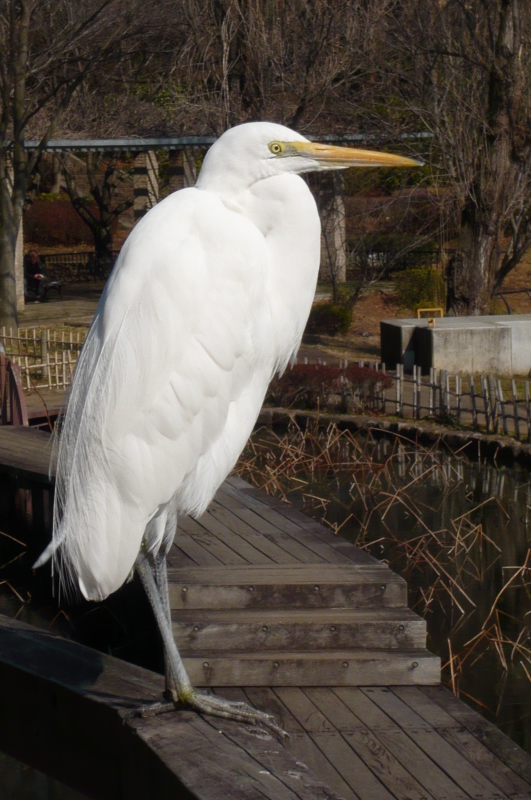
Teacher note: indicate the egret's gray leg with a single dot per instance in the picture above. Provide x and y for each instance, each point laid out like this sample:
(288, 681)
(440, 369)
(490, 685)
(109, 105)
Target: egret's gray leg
(161, 579)
(205, 703)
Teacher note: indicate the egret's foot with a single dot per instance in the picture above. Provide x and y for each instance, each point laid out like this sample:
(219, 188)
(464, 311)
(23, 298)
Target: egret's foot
(215, 707)
(154, 709)
(229, 709)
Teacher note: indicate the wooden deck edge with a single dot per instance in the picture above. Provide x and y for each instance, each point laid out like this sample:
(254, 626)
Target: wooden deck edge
(64, 710)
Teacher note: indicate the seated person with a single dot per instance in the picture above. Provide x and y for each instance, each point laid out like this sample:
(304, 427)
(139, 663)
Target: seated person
(34, 273)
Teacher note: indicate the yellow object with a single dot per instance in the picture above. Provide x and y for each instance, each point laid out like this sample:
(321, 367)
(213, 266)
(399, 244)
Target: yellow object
(420, 310)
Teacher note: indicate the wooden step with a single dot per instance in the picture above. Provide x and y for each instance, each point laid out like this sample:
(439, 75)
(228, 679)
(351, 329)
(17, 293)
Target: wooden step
(287, 586)
(198, 631)
(336, 668)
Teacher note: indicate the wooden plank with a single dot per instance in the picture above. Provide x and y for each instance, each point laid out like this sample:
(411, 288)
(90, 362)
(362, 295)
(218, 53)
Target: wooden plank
(349, 550)
(177, 558)
(467, 777)
(296, 630)
(259, 501)
(221, 736)
(370, 748)
(297, 548)
(217, 528)
(364, 712)
(217, 547)
(300, 745)
(261, 541)
(199, 554)
(343, 758)
(25, 453)
(259, 526)
(65, 709)
(231, 499)
(287, 586)
(276, 760)
(294, 573)
(465, 743)
(230, 771)
(337, 668)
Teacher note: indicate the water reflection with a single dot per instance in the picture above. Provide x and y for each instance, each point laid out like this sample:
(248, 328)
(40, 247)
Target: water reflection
(458, 530)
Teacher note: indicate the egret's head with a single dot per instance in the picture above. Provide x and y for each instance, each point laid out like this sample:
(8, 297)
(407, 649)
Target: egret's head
(258, 150)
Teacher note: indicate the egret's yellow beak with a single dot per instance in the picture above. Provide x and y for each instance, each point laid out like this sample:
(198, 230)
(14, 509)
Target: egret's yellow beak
(332, 156)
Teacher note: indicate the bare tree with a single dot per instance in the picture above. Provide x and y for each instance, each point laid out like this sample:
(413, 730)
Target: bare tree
(104, 174)
(462, 70)
(284, 60)
(48, 48)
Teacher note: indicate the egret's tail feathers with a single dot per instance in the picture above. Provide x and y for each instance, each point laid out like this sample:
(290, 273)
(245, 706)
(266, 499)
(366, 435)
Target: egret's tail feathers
(46, 555)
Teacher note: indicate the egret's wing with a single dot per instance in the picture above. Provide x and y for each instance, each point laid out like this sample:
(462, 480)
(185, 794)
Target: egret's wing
(168, 386)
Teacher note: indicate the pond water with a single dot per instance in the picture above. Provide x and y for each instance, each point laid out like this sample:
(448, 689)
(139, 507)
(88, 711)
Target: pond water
(457, 530)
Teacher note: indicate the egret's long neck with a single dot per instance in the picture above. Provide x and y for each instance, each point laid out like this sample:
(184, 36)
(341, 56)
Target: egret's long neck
(283, 209)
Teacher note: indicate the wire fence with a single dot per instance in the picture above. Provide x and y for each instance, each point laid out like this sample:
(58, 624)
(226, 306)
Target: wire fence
(46, 358)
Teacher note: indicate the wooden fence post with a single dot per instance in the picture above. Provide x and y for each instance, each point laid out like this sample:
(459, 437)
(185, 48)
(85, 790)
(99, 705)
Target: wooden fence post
(515, 410)
(401, 390)
(397, 388)
(493, 403)
(502, 408)
(528, 410)
(473, 401)
(414, 404)
(486, 405)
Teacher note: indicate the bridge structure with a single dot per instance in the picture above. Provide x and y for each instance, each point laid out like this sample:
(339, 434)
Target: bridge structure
(267, 606)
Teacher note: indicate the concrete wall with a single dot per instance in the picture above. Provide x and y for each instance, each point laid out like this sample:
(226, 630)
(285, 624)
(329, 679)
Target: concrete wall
(499, 343)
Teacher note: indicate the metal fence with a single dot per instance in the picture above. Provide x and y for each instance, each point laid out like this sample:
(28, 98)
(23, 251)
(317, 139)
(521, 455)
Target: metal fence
(46, 358)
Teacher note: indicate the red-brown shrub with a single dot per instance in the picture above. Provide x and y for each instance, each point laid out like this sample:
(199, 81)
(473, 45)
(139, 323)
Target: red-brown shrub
(322, 386)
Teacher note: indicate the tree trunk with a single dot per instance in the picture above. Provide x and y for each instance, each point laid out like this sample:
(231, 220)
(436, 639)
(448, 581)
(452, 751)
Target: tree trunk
(8, 238)
(471, 270)
(102, 234)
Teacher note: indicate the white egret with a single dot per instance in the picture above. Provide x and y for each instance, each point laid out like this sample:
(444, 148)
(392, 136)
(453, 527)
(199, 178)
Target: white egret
(207, 301)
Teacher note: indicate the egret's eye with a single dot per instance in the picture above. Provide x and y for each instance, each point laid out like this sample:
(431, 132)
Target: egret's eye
(276, 148)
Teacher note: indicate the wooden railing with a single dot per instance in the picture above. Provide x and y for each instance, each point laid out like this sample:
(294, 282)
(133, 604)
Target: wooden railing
(12, 402)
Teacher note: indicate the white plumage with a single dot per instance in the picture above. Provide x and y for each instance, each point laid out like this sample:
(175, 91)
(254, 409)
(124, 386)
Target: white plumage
(208, 299)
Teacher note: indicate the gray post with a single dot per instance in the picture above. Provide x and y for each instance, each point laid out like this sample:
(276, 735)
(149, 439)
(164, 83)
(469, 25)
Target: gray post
(181, 169)
(145, 182)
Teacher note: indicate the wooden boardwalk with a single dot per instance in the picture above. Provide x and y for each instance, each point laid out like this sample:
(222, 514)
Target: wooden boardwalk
(271, 607)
